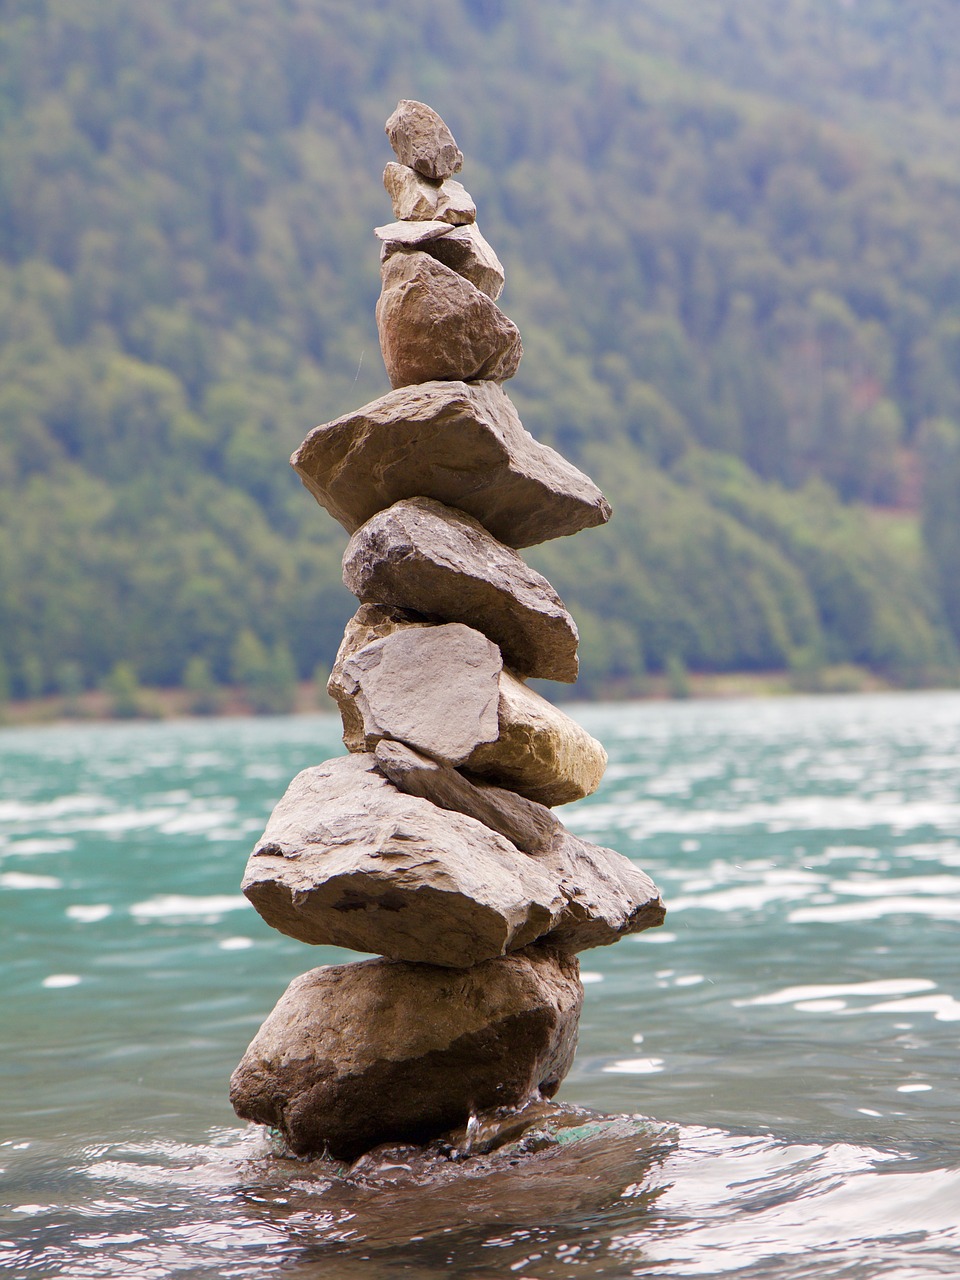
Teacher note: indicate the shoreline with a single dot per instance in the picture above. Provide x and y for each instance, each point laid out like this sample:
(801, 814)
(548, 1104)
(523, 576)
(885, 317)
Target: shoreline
(96, 706)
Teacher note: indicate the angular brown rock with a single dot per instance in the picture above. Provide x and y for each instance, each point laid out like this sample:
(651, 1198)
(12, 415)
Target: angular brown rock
(540, 752)
(435, 324)
(417, 199)
(435, 688)
(532, 827)
(461, 444)
(357, 1055)
(463, 249)
(422, 555)
(421, 140)
(349, 860)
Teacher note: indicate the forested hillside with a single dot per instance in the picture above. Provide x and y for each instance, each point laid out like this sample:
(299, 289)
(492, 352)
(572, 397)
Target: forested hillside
(730, 230)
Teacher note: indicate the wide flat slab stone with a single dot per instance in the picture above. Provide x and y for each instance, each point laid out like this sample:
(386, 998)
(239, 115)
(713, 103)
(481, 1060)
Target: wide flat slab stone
(463, 249)
(422, 140)
(349, 860)
(420, 554)
(460, 443)
(357, 1055)
(418, 199)
(434, 324)
(537, 751)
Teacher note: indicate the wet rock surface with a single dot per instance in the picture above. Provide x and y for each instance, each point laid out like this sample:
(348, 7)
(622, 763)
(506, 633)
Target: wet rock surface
(380, 1051)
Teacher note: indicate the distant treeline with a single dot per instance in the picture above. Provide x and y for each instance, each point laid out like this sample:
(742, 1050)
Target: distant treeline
(734, 263)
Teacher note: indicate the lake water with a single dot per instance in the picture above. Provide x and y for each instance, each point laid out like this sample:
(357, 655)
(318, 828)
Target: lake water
(766, 1087)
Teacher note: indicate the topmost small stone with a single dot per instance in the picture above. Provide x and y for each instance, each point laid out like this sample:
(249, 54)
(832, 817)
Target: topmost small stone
(422, 141)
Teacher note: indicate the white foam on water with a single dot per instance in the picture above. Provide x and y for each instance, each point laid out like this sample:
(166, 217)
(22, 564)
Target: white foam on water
(850, 912)
(61, 980)
(31, 848)
(23, 880)
(943, 1007)
(177, 906)
(589, 977)
(242, 944)
(822, 991)
(89, 914)
(914, 1088)
(634, 1067)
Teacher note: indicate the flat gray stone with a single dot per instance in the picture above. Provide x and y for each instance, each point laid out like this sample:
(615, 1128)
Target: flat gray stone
(531, 827)
(421, 140)
(418, 199)
(422, 555)
(462, 444)
(348, 860)
(357, 1055)
(463, 249)
(435, 688)
(434, 324)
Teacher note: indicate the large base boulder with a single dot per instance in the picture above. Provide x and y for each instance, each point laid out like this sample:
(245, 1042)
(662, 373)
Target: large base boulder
(361, 1054)
(433, 323)
(349, 860)
(422, 555)
(462, 444)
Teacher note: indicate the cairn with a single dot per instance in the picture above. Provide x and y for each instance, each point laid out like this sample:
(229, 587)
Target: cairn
(433, 844)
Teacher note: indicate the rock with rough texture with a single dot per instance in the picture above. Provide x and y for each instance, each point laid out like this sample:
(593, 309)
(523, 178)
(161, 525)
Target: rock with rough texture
(435, 688)
(461, 444)
(421, 140)
(357, 1055)
(417, 199)
(422, 555)
(463, 249)
(540, 752)
(348, 860)
(532, 827)
(606, 895)
(435, 324)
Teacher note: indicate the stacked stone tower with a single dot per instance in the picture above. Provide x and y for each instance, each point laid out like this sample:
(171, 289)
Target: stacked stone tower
(433, 844)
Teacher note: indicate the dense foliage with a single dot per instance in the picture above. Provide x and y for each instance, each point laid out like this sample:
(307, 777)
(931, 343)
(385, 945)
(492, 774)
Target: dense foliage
(730, 238)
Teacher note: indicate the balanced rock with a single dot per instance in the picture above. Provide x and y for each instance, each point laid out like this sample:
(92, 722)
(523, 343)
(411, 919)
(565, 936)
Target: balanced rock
(422, 140)
(357, 1055)
(417, 199)
(434, 324)
(434, 688)
(463, 249)
(349, 860)
(422, 555)
(463, 445)
(532, 827)
(537, 750)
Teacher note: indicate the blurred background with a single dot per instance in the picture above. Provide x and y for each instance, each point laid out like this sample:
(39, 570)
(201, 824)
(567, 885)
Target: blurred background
(730, 231)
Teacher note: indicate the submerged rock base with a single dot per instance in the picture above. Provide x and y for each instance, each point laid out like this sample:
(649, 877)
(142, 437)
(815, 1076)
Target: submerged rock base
(432, 843)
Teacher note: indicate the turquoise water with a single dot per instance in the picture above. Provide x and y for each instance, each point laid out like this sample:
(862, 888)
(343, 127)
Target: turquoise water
(781, 1056)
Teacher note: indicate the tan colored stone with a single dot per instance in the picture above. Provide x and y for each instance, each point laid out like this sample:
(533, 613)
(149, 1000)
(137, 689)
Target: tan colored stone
(434, 324)
(421, 140)
(417, 199)
(422, 555)
(349, 860)
(357, 1055)
(463, 249)
(541, 753)
(462, 444)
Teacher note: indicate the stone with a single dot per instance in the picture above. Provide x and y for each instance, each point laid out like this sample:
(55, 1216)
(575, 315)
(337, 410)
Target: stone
(435, 688)
(463, 249)
(349, 860)
(422, 555)
(435, 324)
(540, 752)
(606, 895)
(463, 445)
(356, 1055)
(421, 140)
(531, 827)
(417, 199)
